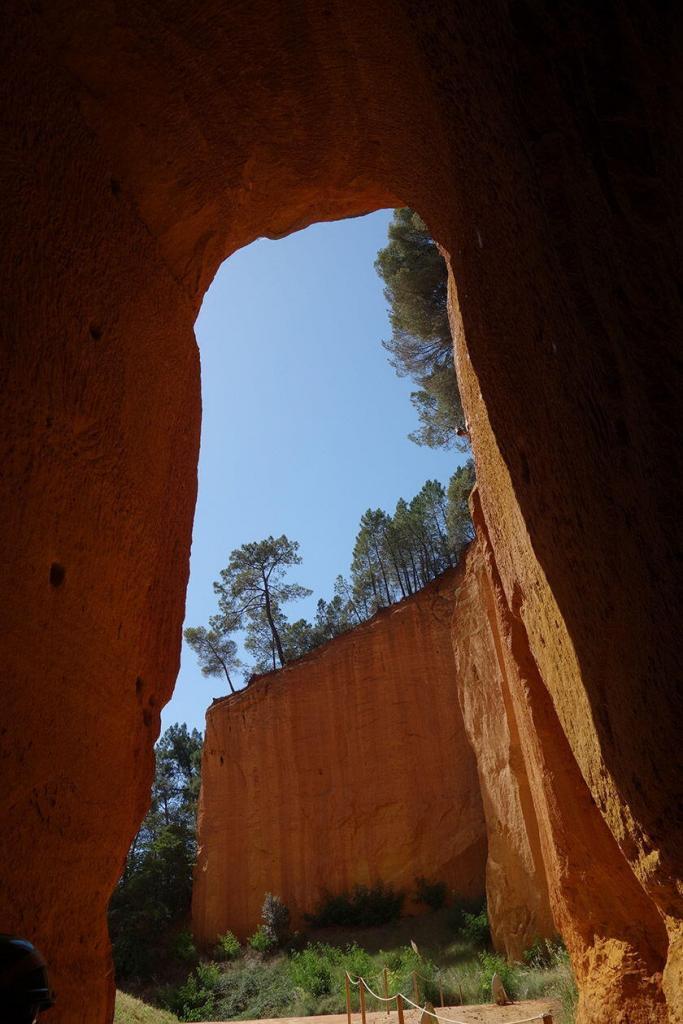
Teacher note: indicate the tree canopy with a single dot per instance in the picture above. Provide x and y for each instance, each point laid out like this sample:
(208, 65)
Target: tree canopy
(421, 346)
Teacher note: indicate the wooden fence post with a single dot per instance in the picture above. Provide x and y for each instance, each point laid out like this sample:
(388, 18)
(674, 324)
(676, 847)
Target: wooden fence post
(399, 1007)
(440, 994)
(416, 990)
(547, 1018)
(385, 978)
(361, 993)
(348, 998)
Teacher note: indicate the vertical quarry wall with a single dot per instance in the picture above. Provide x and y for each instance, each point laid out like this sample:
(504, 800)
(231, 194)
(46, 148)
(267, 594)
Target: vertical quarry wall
(349, 766)
(542, 822)
(516, 884)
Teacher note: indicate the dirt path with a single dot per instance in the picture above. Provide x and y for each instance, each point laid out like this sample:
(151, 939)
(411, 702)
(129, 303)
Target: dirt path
(480, 1014)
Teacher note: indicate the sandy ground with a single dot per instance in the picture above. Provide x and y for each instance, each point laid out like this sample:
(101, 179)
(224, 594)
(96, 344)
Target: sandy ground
(481, 1014)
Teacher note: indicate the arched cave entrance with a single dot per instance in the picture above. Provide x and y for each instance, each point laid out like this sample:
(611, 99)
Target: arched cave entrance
(147, 143)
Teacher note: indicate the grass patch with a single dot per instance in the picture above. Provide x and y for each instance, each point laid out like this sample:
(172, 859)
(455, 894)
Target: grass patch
(129, 1010)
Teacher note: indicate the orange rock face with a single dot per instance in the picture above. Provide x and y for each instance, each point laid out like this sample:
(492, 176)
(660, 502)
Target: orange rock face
(615, 936)
(516, 885)
(145, 142)
(351, 766)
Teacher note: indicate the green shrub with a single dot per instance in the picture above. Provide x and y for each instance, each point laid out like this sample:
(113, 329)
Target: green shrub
(363, 906)
(493, 963)
(311, 970)
(356, 961)
(476, 928)
(262, 940)
(317, 974)
(195, 1000)
(432, 894)
(459, 908)
(255, 991)
(275, 917)
(183, 947)
(227, 947)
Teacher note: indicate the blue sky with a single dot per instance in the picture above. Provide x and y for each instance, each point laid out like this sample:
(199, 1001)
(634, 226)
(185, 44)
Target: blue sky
(304, 422)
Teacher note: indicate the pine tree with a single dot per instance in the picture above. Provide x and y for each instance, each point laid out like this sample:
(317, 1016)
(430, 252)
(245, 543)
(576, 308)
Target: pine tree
(459, 522)
(215, 649)
(421, 347)
(253, 586)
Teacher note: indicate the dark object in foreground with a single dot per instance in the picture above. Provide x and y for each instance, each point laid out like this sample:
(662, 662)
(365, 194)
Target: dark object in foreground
(24, 986)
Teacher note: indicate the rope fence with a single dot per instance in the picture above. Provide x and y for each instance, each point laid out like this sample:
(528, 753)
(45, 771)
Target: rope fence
(401, 1000)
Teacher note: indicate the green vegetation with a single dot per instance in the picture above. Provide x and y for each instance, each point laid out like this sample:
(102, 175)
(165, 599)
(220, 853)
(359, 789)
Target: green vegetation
(363, 906)
(262, 940)
(216, 651)
(227, 947)
(129, 1010)
(152, 897)
(275, 917)
(308, 976)
(421, 347)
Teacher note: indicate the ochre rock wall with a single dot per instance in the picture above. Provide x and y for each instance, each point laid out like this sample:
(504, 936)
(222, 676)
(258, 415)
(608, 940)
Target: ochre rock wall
(350, 766)
(146, 142)
(615, 936)
(516, 885)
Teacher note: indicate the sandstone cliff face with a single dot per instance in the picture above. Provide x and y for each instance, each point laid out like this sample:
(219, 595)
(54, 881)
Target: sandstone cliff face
(349, 766)
(615, 936)
(516, 885)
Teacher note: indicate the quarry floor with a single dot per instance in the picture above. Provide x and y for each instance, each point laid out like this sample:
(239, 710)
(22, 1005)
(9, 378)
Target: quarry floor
(480, 1014)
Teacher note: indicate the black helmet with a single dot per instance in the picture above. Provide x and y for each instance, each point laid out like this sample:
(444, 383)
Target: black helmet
(24, 986)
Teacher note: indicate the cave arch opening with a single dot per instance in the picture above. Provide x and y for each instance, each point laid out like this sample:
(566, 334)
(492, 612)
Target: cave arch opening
(336, 468)
(290, 437)
(514, 137)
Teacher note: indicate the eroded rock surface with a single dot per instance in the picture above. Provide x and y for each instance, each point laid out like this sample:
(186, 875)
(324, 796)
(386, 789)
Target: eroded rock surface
(350, 766)
(613, 930)
(516, 885)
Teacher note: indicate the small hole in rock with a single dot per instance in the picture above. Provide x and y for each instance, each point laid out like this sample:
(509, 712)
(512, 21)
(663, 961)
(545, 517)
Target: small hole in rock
(57, 574)
(147, 717)
(95, 332)
(115, 186)
(138, 685)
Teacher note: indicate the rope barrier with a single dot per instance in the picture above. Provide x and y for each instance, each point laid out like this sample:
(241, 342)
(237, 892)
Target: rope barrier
(423, 1009)
(382, 999)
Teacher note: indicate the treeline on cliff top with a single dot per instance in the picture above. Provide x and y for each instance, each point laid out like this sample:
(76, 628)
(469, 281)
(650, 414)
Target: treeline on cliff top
(395, 554)
(394, 557)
